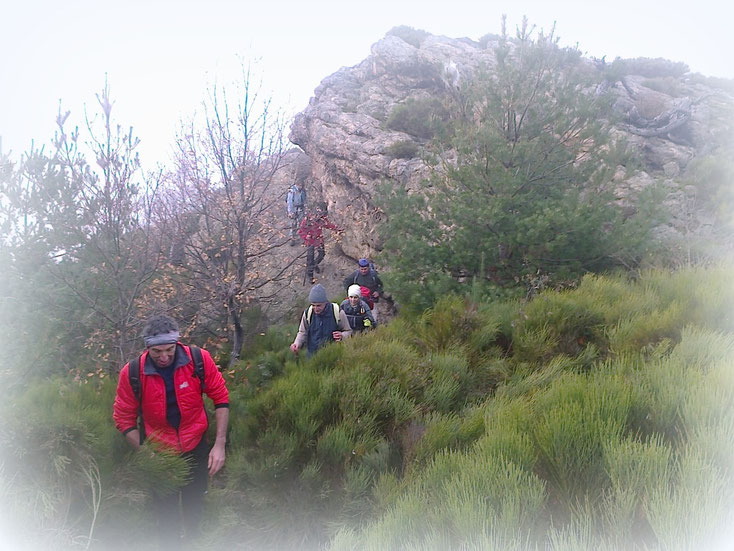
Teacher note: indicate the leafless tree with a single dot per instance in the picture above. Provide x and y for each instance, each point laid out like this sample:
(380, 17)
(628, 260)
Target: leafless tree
(224, 214)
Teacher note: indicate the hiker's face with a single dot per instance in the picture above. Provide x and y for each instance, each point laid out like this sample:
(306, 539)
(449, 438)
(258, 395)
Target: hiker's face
(354, 301)
(162, 354)
(364, 269)
(318, 307)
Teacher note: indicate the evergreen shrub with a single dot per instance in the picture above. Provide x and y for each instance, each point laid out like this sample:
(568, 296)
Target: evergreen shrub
(694, 510)
(400, 439)
(423, 118)
(556, 323)
(577, 418)
(636, 469)
(412, 36)
(404, 149)
(645, 329)
(450, 379)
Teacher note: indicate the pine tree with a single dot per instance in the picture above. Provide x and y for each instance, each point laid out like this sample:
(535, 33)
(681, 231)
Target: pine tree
(530, 192)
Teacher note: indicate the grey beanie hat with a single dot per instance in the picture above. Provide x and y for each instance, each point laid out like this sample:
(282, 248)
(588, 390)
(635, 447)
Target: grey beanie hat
(317, 294)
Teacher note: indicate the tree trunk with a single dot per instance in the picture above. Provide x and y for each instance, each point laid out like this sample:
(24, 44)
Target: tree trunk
(238, 333)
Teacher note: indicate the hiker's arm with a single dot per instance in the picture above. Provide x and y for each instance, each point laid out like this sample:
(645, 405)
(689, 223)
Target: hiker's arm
(301, 336)
(217, 453)
(125, 409)
(368, 314)
(133, 438)
(214, 385)
(378, 284)
(344, 327)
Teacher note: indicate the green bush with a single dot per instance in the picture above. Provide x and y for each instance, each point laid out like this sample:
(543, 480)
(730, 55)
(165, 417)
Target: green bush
(447, 323)
(460, 497)
(636, 470)
(404, 149)
(646, 67)
(694, 511)
(412, 36)
(422, 118)
(666, 85)
(556, 323)
(578, 417)
(634, 333)
(450, 380)
(448, 431)
(336, 445)
(68, 476)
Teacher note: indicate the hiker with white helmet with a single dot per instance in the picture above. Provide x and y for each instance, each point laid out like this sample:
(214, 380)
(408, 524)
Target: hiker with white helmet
(358, 312)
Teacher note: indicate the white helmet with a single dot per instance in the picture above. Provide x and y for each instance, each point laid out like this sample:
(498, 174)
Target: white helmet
(354, 291)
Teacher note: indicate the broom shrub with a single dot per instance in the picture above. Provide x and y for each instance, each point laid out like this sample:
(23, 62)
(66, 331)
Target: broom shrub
(595, 417)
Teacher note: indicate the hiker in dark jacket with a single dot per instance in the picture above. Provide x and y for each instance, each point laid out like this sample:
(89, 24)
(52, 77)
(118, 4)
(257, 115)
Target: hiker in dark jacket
(357, 311)
(366, 276)
(321, 323)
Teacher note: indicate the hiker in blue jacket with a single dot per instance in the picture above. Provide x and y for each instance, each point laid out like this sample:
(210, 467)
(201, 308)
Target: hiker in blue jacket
(321, 323)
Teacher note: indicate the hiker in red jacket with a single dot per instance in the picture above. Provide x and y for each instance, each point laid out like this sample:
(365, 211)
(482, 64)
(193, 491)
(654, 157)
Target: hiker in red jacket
(164, 386)
(311, 232)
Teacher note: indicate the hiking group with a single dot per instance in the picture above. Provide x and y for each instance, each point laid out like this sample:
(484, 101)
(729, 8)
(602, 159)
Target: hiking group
(159, 396)
(324, 321)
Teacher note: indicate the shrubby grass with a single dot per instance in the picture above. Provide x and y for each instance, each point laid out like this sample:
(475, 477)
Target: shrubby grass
(600, 417)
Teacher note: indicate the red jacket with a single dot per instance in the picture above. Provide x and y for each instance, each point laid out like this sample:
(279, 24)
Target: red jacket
(188, 395)
(311, 229)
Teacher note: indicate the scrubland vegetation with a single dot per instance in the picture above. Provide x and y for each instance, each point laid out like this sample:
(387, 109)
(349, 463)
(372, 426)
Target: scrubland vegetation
(594, 418)
(540, 389)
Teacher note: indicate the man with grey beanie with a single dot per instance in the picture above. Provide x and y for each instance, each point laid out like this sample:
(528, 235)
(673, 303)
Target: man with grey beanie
(321, 323)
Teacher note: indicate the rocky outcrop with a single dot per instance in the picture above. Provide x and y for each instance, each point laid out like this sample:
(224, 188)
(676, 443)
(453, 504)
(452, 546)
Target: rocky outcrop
(670, 115)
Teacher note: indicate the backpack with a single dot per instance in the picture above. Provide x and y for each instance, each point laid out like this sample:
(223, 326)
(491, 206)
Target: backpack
(297, 196)
(335, 311)
(367, 296)
(133, 373)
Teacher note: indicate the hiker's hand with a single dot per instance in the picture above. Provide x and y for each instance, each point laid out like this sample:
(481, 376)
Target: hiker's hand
(216, 459)
(294, 348)
(133, 438)
(337, 335)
